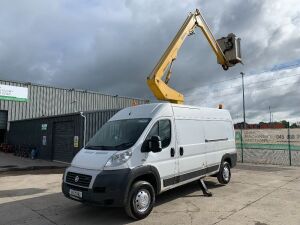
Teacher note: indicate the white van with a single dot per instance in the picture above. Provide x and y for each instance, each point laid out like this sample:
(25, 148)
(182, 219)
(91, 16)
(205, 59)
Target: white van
(145, 150)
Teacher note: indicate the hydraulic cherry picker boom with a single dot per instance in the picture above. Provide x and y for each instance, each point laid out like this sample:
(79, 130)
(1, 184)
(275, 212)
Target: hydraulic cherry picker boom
(227, 50)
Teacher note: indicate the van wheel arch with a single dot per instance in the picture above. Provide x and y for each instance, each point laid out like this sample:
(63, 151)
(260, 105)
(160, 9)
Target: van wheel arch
(144, 173)
(226, 158)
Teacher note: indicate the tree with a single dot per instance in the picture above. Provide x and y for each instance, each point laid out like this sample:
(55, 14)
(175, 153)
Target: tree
(285, 123)
(294, 125)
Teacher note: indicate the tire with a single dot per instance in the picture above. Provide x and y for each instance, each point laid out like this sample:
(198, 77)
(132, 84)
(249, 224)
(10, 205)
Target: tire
(224, 174)
(137, 206)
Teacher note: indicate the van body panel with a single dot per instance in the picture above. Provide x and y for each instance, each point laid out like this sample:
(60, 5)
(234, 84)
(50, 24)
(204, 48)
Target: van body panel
(191, 146)
(92, 159)
(219, 138)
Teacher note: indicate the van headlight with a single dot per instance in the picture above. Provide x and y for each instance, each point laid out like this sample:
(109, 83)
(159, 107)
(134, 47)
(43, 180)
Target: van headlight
(119, 158)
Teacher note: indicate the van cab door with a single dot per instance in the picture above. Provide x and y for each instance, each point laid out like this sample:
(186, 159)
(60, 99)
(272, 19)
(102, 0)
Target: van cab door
(191, 149)
(164, 161)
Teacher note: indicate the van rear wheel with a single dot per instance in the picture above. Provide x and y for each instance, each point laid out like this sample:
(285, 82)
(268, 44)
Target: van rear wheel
(224, 174)
(140, 200)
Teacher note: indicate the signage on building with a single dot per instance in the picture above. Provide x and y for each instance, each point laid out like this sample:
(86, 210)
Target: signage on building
(44, 140)
(44, 126)
(76, 141)
(13, 93)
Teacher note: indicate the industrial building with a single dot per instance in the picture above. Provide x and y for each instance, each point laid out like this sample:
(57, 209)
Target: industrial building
(20, 100)
(59, 137)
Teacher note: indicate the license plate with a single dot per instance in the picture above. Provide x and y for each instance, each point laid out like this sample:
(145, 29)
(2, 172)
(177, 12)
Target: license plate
(75, 194)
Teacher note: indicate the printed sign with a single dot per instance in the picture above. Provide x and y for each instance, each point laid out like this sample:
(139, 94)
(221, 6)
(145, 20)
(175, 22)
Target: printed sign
(76, 142)
(44, 140)
(272, 139)
(13, 93)
(44, 126)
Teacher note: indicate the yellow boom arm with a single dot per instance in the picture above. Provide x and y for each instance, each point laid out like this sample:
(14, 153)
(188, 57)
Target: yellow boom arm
(160, 88)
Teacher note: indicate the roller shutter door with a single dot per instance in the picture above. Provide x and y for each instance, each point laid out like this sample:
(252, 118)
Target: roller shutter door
(63, 134)
(3, 120)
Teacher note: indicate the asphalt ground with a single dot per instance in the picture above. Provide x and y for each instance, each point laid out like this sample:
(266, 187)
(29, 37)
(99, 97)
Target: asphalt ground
(256, 195)
(10, 162)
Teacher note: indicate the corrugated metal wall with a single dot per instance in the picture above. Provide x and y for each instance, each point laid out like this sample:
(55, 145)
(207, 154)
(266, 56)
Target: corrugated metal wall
(29, 132)
(48, 101)
(95, 120)
(3, 119)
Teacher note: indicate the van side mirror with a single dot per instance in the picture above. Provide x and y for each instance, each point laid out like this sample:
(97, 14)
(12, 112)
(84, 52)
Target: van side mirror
(154, 144)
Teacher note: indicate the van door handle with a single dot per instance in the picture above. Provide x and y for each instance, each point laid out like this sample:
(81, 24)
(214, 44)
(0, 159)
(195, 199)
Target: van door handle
(172, 152)
(181, 150)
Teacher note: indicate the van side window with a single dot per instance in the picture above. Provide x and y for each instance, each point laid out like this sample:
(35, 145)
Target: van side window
(164, 131)
(161, 128)
(153, 131)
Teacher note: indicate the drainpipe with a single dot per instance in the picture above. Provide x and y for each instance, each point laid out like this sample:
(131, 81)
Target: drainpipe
(84, 128)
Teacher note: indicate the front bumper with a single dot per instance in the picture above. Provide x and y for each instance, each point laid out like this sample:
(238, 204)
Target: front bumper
(107, 188)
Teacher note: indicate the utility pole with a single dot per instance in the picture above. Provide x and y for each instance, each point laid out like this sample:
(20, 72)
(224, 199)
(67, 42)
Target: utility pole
(270, 115)
(289, 144)
(243, 87)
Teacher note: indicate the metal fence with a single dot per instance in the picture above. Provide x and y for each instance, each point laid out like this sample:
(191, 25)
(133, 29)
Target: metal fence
(269, 146)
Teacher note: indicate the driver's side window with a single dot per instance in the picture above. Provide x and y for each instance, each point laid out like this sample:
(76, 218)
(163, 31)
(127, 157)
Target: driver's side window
(161, 128)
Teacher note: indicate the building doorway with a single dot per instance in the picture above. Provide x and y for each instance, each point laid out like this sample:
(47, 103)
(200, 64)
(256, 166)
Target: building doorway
(3, 126)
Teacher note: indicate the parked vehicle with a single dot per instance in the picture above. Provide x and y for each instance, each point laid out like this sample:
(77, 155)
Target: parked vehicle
(145, 150)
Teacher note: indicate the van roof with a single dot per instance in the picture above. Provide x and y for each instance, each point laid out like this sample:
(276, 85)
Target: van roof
(202, 113)
(153, 110)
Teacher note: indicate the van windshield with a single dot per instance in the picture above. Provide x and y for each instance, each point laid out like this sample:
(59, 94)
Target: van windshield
(118, 134)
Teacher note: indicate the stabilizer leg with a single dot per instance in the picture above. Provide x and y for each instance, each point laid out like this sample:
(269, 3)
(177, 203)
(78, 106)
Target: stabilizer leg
(204, 189)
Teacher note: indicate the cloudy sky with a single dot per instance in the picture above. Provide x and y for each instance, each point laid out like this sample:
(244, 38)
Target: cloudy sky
(112, 46)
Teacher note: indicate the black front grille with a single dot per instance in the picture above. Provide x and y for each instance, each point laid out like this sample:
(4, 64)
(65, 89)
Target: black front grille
(78, 179)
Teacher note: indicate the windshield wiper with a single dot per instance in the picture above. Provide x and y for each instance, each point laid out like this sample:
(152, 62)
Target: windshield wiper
(96, 147)
(124, 145)
(103, 147)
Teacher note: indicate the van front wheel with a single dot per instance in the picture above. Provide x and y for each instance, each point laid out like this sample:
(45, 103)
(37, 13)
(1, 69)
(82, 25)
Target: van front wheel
(224, 174)
(140, 200)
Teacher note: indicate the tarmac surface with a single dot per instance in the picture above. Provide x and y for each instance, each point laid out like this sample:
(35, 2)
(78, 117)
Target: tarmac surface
(10, 162)
(256, 195)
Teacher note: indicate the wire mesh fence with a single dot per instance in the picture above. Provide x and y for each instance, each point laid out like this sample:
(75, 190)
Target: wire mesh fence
(269, 146)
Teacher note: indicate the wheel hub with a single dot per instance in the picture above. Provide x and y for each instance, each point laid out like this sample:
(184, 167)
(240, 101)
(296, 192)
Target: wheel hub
(142, 200)
(226, 173)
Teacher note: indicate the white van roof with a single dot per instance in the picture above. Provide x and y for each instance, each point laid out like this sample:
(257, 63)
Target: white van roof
(202, 113)
(166, 110)
(144, 111)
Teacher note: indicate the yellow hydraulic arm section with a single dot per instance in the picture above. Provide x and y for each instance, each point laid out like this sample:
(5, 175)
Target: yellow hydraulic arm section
(160, 88)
